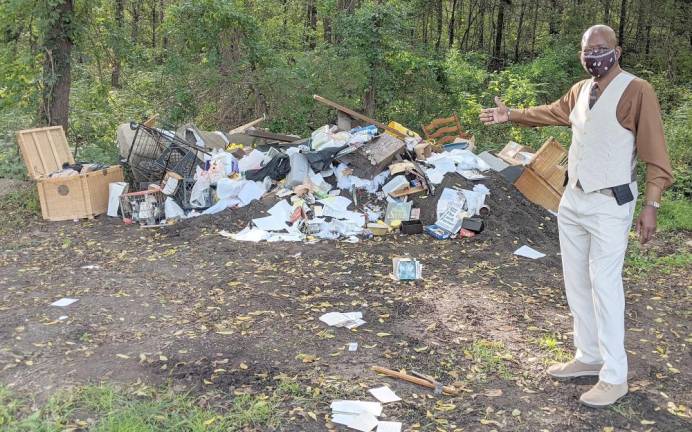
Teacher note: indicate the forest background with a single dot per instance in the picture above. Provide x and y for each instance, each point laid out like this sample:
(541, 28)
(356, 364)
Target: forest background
(91, 65)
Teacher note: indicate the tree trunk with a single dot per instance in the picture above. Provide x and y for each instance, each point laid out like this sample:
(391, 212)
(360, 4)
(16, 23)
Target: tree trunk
(606, 11)
(135, 21)
(117, 50)
(438, 16)
(452, 24)
(533, 29)
(555, 17)
(463, 45)
(56, 66)
(327, 27)
(621, 26)
(164, 40)
(154, 16)
(311, 24)
(519, 28)
(481, 27)
(497, 60)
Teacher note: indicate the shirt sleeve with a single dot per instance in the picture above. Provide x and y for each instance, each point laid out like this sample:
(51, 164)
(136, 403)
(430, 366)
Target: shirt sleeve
(554, 114)
(643, 117)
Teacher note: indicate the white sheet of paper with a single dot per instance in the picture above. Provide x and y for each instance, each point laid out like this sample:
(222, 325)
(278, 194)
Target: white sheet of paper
(356, 407)
(353, 346)
(363, 422)
(335, 319)
(271, 223)
(250, 192)
(384, 394)
(251, 234)
(528, 252)
(337, 203)
(283, 209)
(388, 426)
(65, 301)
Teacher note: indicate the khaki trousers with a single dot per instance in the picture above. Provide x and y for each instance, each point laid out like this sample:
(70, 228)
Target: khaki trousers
(593, 240)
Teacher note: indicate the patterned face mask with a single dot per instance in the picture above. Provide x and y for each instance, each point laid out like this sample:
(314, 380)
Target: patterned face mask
(599, 64)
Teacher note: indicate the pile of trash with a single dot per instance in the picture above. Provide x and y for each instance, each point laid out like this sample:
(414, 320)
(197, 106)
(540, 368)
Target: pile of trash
(341, 183)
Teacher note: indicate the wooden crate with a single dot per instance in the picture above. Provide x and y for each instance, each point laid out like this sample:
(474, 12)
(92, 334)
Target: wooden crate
(44, 151)
(542, 181)
(537, 190)
(550, 163)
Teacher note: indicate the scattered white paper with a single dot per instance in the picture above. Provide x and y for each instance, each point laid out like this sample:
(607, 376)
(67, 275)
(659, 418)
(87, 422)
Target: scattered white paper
(356, 407)
(363, 422)
(384, 394)
(350, 320)
(91, 267)
(471, 174)
(353, 346)
(65, 301)
(282, 209)
(338, 203)
(388, 426)
(271, 223)
(226, 234)
(250, 192)
(528, 252)
(62, 317)
(251, 234)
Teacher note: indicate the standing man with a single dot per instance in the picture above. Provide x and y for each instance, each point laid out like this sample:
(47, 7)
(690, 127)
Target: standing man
(614, 117)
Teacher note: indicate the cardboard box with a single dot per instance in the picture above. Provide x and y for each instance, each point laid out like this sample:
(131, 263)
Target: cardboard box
(44, 151)
(514, 153)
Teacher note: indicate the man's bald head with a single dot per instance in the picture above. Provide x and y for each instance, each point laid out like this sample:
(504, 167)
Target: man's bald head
(599, 35)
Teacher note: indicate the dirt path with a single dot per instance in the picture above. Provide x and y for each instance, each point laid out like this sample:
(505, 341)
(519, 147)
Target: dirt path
(186, 307)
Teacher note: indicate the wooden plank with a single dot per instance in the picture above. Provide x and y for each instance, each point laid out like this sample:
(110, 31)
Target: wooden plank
(246, 126)
(261, 133)
(358, 116)
(440, 122)
(445, 131)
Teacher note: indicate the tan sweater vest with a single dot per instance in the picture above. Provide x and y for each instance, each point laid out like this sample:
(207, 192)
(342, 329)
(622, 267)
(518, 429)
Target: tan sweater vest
(603, 153)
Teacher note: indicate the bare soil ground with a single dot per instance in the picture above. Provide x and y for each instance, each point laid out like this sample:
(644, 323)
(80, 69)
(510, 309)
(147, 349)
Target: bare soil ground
(185, 307)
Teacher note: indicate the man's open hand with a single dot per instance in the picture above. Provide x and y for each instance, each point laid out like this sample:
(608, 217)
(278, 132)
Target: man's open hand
(646, 224)
(500, 114)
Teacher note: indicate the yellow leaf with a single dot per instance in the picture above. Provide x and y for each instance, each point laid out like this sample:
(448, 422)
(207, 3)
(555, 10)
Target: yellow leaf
(382, 334)
(647, 422)
(243, 366)
(210, 421)
(312, 415)
(122, 356)
(421, 349)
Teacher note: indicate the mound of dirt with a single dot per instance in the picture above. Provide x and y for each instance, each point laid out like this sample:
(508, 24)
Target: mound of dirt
(512, 222)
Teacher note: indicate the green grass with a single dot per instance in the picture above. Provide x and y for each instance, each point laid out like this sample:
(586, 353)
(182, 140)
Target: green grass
(675, 215)
(675, 256)
(490, 357)
(18, 206)
(108, 409)
(553, 347)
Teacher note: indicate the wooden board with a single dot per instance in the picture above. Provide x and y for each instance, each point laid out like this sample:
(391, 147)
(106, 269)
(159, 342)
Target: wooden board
(44, 150)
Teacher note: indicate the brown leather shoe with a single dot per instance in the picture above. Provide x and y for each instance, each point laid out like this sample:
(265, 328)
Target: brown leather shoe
(603, 394)
(573, 369)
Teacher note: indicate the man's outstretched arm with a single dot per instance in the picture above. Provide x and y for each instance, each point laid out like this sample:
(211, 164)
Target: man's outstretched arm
(554, 114)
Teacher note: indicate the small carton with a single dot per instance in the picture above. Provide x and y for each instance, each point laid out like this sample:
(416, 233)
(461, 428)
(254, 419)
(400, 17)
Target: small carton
(407, 268)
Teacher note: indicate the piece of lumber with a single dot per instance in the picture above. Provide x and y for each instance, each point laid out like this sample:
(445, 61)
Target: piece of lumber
(151, 121)
(414, 380)
(246, 126)
(358, 116)
(261, 133)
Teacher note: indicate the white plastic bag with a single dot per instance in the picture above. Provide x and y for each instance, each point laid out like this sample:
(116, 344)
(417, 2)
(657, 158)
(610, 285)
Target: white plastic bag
(199, 195)
(172, 210)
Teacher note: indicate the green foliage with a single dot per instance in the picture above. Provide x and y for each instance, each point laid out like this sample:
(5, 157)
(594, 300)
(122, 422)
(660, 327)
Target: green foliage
(18, 206)
(115, 410)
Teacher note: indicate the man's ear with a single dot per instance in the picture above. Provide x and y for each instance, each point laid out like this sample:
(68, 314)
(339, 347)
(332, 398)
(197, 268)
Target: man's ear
(618, 50)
